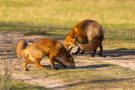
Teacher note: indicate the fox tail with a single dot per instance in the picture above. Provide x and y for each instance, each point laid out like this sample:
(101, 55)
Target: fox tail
(21, 45)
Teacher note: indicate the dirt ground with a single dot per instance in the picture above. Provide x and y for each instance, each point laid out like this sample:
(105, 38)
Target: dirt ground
(122, 57)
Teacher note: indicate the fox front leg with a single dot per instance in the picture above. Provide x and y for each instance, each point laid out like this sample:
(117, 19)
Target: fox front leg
(77, 52)
(61, 63)
(52, 59)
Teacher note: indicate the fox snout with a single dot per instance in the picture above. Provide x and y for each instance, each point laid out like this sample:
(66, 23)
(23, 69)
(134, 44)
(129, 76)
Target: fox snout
(71, 66)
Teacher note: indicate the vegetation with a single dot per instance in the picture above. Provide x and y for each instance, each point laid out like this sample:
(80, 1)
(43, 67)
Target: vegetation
(95, 75)
(55, 18)
(58, 17)
(114, 13)
(21, 15)
(8, 84)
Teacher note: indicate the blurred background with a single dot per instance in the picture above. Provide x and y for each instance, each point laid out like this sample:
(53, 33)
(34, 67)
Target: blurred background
(57, 17)
(54, 19)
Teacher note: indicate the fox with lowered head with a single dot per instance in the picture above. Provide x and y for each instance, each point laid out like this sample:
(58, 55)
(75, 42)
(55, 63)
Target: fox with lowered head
(34, 53)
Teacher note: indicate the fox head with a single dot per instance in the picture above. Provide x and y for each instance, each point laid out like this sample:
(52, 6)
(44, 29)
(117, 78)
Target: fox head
(69, 60)
(70, 42)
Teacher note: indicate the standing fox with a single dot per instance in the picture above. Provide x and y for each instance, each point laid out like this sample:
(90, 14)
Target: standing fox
(83, 33)
(91, 46)
(44, 47)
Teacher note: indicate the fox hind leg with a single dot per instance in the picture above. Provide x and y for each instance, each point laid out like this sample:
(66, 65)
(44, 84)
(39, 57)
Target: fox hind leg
(94, 52)
(24, 65)
(101, 50)
(37, 64)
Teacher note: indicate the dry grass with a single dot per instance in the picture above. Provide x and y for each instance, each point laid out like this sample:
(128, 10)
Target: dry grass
(91, 74)
(8, 83)
(6, 74)
(57, 17)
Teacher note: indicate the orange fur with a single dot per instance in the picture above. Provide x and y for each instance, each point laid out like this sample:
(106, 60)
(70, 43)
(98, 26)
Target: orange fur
(46, 47)
(92, 45)
(22, 44)
(84, 32)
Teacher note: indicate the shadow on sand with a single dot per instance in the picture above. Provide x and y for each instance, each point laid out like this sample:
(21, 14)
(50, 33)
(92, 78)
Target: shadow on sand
(80, 67)
(114, 53)
(119, 52)
(93, 66)
(29, 88)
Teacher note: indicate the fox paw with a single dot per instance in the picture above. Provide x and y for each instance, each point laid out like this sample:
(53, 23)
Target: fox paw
(55, 68)
(27, 70)
(100, 54)
(75, 53)
(92, 55)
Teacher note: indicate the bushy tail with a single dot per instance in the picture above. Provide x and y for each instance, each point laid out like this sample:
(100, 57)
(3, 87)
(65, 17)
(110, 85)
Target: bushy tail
(21, 45)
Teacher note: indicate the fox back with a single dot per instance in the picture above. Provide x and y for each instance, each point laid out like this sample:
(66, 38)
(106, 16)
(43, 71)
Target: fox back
(84, 32)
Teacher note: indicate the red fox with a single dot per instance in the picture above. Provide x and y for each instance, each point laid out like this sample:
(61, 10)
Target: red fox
(91, 46)
(83, 33)
(44, 47)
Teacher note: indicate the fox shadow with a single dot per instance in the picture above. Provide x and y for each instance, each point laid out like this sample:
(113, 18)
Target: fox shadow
(59, 67)
(93, 66)
(119, 52)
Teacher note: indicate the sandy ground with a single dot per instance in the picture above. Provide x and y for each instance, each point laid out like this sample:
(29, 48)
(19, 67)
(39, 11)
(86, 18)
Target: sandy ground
(121, 57)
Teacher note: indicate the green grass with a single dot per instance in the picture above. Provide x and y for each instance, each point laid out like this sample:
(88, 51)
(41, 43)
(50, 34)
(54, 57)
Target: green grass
(7, 83)
(19, 85)
(97, 75)
(50, 17)
(55, 18)
(112, 14)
